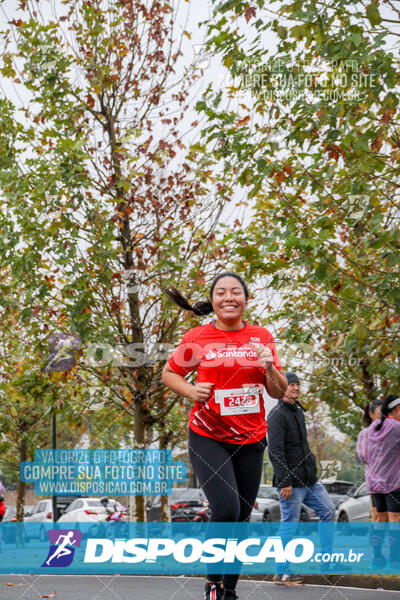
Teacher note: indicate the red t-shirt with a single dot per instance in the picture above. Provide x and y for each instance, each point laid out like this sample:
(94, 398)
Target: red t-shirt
(235, 412)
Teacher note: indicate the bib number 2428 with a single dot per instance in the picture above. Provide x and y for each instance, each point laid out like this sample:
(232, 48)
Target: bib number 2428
(239, 401)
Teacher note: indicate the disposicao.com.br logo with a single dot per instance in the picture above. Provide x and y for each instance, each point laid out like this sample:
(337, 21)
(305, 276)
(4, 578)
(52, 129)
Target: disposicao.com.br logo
(194, 550)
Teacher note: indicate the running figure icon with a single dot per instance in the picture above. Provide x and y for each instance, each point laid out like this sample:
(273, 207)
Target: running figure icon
(62, 549)
(61, 553)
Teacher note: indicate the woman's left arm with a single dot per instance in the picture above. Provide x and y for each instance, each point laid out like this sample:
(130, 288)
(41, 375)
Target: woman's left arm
(275, 381)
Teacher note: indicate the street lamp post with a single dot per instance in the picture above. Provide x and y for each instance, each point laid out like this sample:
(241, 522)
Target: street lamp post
(54, 433)
(61, 359)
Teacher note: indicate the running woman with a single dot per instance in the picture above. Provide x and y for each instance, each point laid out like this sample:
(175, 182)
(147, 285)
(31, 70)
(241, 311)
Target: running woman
(380, 451)
(227, 425)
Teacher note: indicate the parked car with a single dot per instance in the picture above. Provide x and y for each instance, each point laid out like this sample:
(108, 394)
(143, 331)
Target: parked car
(41, 513)
(11, 517)
(88, 510)
(185, 504)
(357, 508)
(63, 502)
(339, 491)
(10, 514)
(267, 507)
(43, 510)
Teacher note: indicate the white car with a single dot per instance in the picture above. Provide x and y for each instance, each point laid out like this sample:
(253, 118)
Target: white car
(357, 508)
(88, 510)
(41, 513)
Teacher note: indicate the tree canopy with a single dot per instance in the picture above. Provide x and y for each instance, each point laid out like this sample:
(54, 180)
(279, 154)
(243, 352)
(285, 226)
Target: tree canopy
(314, 141)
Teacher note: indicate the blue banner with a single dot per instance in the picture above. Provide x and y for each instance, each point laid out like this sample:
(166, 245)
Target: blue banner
(197, 548)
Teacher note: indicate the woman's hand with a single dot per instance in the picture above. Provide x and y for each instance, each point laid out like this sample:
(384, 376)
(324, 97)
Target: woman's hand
(275, 381)
(264, 356)
(202, 391)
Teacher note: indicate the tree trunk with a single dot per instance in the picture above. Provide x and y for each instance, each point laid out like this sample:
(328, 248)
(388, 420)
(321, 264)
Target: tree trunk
(21, 484)
(368, 380)
(137, 509)
(165, 508)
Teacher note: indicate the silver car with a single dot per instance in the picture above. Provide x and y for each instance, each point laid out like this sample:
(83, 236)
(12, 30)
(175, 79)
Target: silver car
(357, 508)
(267, 507)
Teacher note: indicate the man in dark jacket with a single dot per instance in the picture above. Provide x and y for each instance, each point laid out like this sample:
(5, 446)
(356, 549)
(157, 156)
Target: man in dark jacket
(295, 468)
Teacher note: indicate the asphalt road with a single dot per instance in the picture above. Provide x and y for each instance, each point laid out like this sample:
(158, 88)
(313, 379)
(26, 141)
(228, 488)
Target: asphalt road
(99, 587)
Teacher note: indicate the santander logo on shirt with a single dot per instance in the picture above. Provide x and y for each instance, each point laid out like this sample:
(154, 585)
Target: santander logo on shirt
(243, 354)
(230, 352)
(203, 348)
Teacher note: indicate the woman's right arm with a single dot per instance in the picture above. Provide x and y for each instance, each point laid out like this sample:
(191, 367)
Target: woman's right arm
(360, 447)
(177, 383)
(200, 392)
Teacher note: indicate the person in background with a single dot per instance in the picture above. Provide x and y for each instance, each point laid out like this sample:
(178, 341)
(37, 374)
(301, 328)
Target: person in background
(372, 412)
(295, 472)
(3, 508)
(379, 449)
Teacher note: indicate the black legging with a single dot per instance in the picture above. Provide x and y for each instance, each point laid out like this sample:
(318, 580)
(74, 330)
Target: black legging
(230, 476)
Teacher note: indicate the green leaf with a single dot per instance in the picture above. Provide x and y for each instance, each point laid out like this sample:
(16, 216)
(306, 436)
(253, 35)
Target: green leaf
(373, 14)
(393, 259)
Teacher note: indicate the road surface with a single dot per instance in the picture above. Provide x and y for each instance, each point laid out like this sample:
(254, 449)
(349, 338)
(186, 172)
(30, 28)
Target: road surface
(111, 587)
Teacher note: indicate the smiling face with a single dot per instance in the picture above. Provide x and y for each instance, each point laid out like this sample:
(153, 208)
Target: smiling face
(292, 393)
(228, 300)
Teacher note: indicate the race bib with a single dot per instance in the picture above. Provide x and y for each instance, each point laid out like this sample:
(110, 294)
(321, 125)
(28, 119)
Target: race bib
(239, 401)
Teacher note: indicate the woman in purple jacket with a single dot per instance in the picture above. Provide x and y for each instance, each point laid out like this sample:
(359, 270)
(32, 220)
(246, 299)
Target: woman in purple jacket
(378, 447)
(372, 412)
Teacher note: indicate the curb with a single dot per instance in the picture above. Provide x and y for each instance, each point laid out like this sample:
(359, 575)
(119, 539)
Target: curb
(371, 582)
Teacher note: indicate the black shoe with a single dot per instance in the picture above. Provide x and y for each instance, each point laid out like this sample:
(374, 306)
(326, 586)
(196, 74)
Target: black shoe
(288, 579)
(213, 591)
(230, 595)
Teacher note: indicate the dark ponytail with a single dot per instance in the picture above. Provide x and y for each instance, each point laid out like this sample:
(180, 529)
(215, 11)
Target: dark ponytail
(203, 307)
(385, 409)
(370, 407)
(199, 308)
